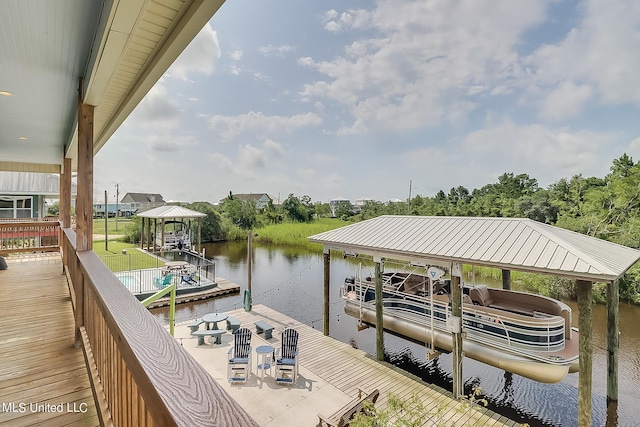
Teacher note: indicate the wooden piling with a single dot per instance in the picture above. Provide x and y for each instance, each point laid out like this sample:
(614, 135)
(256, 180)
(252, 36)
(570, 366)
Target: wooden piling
(327, 273)
(379, 314)
(613, 340)
(585, 323)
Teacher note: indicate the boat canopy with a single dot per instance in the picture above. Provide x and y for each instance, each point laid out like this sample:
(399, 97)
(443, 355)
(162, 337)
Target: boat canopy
(506, 243)
(167, 212)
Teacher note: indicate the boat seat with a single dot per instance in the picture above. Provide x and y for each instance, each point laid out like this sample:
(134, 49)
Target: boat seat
(480, 294)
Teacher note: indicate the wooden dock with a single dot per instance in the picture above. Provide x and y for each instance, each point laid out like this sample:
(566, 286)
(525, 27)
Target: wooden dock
(225, 287)
(44, 377)
(330, 374)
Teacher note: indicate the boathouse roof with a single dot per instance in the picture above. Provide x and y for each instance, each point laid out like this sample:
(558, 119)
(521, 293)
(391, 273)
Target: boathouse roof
(506, 243)
(167, 212)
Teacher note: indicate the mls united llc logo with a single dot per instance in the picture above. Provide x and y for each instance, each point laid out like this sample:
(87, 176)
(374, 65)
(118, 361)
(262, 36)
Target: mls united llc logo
(22, 407)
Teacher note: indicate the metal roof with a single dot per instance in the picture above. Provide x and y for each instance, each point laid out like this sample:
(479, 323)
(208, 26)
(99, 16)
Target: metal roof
(506, 243)
(28, 183)
(166, 212)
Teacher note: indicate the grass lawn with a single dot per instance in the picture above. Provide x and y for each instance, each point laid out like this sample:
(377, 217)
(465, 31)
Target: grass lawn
(98, 225)
(117, 261)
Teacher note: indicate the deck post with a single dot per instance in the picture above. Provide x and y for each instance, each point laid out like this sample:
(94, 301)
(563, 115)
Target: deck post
(379, 314)
(65, 206)
(84, 205)
(142, 234)
(585, 324)
(326, 255)
(506, 279)
(456, 310)
(162, 237)
(199, 235)
(613, 340)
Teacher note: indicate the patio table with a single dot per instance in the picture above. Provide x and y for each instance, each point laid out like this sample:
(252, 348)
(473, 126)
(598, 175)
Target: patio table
(214, 318)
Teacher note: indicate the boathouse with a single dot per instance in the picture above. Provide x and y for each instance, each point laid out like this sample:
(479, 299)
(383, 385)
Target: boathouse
(505, 243)
(72, 72)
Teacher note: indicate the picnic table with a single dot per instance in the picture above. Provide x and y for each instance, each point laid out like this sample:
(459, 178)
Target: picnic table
(214, 318)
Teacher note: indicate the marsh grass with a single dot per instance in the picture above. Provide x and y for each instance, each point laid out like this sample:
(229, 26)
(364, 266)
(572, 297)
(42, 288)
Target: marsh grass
(297, 233)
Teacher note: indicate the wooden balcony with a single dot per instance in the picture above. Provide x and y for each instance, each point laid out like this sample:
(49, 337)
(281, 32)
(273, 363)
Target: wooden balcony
(81, 337)
(40, 365)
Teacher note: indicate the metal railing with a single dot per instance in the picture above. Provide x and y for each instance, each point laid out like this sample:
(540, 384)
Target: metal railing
(142, 273)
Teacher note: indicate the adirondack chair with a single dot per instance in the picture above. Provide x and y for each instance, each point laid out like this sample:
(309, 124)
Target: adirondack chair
(287, 358)
(239, 357)
(163, 282)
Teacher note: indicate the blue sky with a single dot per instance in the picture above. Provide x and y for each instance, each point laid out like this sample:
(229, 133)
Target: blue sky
(358, 98)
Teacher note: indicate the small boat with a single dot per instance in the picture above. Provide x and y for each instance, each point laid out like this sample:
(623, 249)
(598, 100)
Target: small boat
(526, 334)
(176, 239)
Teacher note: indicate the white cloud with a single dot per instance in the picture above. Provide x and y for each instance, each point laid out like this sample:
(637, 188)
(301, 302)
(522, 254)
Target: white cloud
(231, 126)
(273, 148)
(417, 72)
(251, 157)
(634, 149)
(542, 152)
(236, 55)
(599, 50)
(351, 19)
(566, 101)
(200, 56)
(169, 142)
(158, 109)
(275, 50)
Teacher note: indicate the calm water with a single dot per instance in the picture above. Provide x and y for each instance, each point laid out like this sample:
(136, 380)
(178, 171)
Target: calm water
(289, 280)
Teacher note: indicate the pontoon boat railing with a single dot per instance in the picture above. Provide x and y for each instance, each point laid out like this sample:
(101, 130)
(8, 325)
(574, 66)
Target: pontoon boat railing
(492, 327)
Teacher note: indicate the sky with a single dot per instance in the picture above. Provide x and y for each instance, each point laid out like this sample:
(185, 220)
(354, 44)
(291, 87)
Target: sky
(378, 99)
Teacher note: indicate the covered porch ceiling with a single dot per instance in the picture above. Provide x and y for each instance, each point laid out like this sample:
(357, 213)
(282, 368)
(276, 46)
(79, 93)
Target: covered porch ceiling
(506, 243)
(119, 48)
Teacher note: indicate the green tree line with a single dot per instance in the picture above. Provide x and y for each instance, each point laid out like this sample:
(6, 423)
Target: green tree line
(607, 208)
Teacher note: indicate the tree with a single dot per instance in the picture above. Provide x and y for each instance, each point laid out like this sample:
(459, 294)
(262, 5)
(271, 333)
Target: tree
(240, 212)
(54, 209)
(298, 210)
(211, 228)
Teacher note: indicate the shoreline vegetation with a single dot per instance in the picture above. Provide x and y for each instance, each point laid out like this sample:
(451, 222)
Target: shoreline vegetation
(295, 234)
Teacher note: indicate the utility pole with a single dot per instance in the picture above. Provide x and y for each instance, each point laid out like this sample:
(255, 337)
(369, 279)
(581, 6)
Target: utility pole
(409, 201)
(106, 221)
(117, 207)
(248, 298)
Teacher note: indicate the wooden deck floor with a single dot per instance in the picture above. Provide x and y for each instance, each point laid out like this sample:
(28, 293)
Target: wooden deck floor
(326, 360)
(43, 377)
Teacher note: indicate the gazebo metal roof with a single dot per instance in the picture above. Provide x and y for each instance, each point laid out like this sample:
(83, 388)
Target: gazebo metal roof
(505, 243)
(166, 212)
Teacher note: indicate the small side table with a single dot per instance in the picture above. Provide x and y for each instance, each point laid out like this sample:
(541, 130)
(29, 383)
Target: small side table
(264, 353)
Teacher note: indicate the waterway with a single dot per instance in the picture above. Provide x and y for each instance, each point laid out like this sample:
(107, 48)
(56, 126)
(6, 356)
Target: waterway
(290, 280)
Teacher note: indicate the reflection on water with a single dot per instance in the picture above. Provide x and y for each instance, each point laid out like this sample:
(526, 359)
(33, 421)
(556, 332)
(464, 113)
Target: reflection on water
(290, 280)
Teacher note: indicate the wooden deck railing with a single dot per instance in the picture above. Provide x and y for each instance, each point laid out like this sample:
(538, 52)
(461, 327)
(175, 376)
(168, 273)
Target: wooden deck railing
(141, 375)
(29, 235)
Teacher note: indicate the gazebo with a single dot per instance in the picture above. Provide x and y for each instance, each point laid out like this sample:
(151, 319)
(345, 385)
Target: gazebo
(164, 213)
